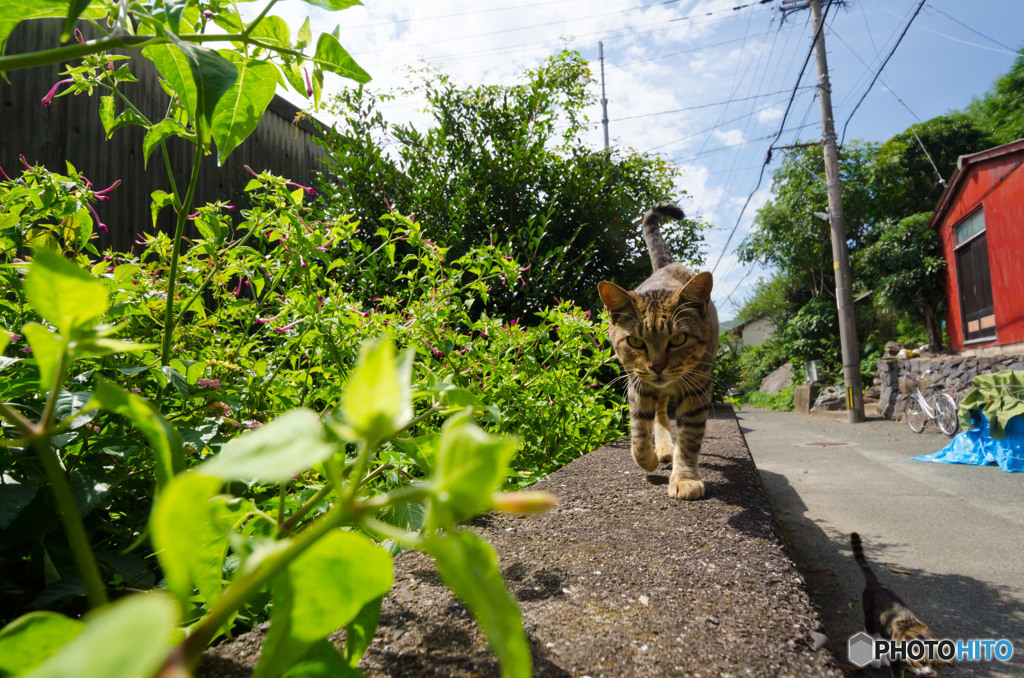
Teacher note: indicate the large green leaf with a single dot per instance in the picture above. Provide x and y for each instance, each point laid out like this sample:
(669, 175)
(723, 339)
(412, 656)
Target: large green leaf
(334, 4)
(469, 566)
(471, 465)
(273, 453)
(75, 9)
(159, 133)
(240, 109)
(131, 637)
(332, 57)
(162, 437)
(321, 591)
(14, 496)
(378, 398)
(47, 350)
(360, 631)
(174, 66)
(13, 12)
(62, 293)
(194, 555)
(213, 76)
(29, 640)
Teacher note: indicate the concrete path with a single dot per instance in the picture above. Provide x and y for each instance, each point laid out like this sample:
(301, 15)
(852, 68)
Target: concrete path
(958, 531)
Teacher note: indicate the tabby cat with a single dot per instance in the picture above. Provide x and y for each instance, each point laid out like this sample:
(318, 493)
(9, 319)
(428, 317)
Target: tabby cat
(665, 334)
(887, 616)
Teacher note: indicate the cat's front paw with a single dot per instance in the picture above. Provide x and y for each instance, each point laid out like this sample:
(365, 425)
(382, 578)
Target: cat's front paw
(664, 454)
(685, 488)
(646, 459)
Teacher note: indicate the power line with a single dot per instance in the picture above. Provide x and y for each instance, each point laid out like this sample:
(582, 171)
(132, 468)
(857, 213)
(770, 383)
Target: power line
(700, 106)
(978, 33)
(878, 73)
(1008, 51)
(768, 156)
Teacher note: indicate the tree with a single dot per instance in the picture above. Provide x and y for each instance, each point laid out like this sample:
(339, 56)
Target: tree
(1000, 111)
(507, 164)
(907, 267)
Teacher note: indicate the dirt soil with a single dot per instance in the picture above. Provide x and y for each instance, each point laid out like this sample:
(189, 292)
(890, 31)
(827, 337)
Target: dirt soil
(619, 580)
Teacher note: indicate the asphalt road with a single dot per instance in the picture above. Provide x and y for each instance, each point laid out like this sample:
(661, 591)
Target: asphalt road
(955, 533)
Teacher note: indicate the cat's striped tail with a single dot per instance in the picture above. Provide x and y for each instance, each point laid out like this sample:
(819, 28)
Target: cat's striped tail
(661, 256)
(858, 555)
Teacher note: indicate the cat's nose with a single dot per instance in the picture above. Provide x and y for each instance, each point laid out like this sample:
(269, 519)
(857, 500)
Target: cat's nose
(657, 368)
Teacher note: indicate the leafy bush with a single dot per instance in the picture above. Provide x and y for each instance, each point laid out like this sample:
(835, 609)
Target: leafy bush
(286, 395)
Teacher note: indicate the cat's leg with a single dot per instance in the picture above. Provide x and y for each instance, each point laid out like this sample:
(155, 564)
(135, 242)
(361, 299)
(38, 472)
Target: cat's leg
(664, 443)
(691, 419)
(641, 424)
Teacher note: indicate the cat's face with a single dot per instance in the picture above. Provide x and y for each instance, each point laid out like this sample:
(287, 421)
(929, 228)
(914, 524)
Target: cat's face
(659, 336)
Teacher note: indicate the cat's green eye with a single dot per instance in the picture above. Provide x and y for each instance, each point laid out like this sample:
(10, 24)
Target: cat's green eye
(635, 342)
(678, 339)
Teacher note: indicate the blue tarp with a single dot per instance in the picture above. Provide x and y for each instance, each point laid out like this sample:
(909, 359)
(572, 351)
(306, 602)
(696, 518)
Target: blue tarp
(977, 446)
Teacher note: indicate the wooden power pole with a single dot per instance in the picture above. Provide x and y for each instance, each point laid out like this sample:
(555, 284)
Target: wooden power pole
(840, 255)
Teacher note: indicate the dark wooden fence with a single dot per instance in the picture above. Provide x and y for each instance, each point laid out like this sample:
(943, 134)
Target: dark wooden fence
(70, 129)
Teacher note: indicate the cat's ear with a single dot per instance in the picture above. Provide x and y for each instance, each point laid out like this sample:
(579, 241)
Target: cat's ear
(616, 300)
(699, 289)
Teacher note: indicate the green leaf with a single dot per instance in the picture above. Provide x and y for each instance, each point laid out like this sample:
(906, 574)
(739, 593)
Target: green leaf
(13, 12)
(213, 76)
(192, 556)
(174, 8)
(273, 453)
(378, 398)
(240, 109)
(14, 496)
(174, 66)
(273, 30)
(162, 437)
(321, 591)
(62, 293)
(47, 350)
(159, 133)
(333, 57)
(107, 113)
(29, 640)
(145, 628)
(469, 566)
(334, 4)
(360, 631)
(322, 661)
(305, 36)
(471, 466)
(75, 9)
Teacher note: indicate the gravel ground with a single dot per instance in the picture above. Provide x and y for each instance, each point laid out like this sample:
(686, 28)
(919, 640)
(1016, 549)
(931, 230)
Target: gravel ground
(619, 580)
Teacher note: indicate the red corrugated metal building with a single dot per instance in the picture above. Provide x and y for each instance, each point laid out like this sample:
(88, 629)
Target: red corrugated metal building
(980, 219)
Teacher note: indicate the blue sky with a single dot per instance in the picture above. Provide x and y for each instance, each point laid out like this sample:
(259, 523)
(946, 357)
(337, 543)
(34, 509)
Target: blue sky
(703, 83)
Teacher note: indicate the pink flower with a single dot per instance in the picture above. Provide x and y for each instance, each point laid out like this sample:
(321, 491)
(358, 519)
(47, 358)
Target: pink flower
(78, 37)
(53, 90)
(208, 384)
(309, 85)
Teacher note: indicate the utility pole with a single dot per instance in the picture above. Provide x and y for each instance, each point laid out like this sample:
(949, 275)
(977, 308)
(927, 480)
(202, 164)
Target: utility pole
(604, 101)
(840, 256)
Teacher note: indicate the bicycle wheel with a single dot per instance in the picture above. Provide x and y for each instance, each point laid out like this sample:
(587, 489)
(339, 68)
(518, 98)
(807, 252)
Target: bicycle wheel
(946, 414)
(915, 415)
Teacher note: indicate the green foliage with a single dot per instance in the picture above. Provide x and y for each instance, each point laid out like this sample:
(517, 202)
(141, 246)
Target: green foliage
(908, 267)
(781, 401)
(1000, 111)
(326, 392)
(507, 164)
(728, 372)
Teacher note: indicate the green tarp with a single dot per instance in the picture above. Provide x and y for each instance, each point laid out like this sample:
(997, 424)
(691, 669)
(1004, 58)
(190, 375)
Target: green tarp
(999, 396)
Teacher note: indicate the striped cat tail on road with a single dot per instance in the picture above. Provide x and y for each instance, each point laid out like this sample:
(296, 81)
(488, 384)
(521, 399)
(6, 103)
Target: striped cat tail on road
(661, 255)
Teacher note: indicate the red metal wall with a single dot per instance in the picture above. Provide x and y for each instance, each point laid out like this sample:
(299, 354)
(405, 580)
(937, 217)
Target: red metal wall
(998, 185)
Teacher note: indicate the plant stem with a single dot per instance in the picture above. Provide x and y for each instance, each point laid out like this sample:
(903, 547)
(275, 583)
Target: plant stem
(172, 273)
(85, 561)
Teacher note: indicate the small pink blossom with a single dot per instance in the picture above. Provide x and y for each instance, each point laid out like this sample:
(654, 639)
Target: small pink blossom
(309, 84)
(208, 384)
(53, 90)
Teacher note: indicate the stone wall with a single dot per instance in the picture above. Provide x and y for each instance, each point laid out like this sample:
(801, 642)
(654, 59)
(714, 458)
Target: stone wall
(953, 374)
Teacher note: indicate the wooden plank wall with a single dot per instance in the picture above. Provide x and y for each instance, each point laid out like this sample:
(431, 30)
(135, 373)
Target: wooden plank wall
(70, 129)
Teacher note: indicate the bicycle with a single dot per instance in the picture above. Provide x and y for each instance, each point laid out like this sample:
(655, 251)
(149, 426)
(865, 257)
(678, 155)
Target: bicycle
(940, 408)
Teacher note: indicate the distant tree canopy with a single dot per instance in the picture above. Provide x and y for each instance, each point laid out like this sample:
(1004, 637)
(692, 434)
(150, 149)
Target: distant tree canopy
(1000, 112)
(508, 164)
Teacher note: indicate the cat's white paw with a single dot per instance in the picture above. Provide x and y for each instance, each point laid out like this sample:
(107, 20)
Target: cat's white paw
(685, 488)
